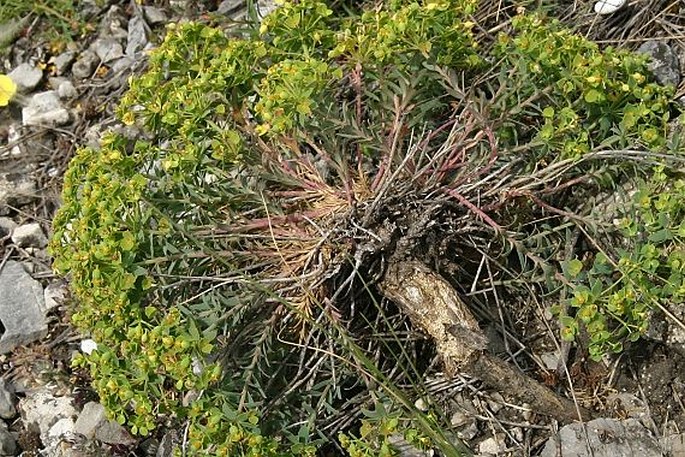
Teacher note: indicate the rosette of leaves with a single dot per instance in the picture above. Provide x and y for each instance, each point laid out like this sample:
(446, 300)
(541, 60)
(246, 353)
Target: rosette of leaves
(225, 261)
(204, 255)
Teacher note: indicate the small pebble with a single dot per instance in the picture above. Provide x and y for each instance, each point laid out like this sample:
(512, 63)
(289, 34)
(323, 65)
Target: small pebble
(459, 419)
(608, 6)
(88, 346)
(67, 91)
(469, 432)
(85, 65)
(496, 402)
(63, 62)
(492, 446)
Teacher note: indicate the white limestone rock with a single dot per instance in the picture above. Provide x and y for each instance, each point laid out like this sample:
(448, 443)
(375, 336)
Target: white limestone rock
(29, 235)
(26, 77)
(45, 109)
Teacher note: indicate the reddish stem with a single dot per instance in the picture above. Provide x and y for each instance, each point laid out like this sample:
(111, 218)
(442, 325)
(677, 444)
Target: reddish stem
(461, 199)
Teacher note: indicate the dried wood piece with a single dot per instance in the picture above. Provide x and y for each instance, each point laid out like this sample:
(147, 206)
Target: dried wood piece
(432, 304)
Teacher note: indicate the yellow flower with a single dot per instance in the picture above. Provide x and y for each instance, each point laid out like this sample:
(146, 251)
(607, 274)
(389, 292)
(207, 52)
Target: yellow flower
(7, 90)
(128, 118)
(639, 77)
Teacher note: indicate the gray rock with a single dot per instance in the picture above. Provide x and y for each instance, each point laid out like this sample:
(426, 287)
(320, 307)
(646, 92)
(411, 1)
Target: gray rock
(496, 402)
(603, 438)
(26, 77)
(170, 442)
(237, 9)
(468, 431)
(190, 397)
(264, 7)
(91, 137)
(231, 7)
(517, 434)
(60, 439)
(8, 445)
(673, 444)
(494, 445)
(16, 189)
(55, 294)
(7, 226)
(107, 49)
(7, 409)
(21, 307)
(41, 409)
(149, 447)
(114, 24)
(664, 62)
(122, 65)
(67, 91)
(137, 36)
(92, 416)
(61, 430)
(550, 359)
(460, 419)
(110, 432)
(607, 7)
(29, 235)
(90, 8)
(154, 15)
(85, 65)
(93, 423)
(420, 404)
(63, 61)
(55, 81)
(45, 108)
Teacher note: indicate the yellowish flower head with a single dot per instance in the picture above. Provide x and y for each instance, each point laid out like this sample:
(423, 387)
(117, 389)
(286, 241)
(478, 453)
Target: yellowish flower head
(7, 90)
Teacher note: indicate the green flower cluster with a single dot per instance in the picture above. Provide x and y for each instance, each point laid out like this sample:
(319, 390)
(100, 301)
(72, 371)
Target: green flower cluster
(579, 96)
(613, 296)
